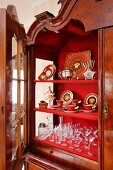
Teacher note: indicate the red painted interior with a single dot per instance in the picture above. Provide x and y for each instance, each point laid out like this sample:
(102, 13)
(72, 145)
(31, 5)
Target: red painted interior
(56, 46)
(94, 150)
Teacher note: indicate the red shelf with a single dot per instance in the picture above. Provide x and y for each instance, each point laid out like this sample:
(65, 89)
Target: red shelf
(67, 81)
(78, 114)
(73, 151)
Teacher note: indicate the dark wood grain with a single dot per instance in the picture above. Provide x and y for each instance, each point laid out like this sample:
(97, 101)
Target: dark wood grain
(108, 91)
(2, 88)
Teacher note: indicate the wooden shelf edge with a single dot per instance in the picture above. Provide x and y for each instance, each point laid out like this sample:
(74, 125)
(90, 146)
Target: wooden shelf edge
(67, 81)
(80, 114)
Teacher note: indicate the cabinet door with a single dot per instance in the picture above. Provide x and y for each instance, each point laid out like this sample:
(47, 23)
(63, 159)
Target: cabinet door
(108, 98)
(13, 88)
(16, 86)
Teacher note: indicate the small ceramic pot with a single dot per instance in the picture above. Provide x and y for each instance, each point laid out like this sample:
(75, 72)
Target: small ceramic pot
(43, 105)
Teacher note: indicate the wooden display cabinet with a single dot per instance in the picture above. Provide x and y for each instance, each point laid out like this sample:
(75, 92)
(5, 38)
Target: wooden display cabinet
(78, 27)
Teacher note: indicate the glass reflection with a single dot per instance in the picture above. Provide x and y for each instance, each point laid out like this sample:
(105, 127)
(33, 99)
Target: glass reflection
(22, 65)
(14, 99)
(22, 130)
(22, 96)
(14, 58)
(14, 142)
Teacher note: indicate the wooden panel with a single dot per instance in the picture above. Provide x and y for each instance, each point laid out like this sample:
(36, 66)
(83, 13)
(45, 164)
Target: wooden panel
(33, 167)
(68, 160)
(108, 98)
(2, 88)
(45, 163)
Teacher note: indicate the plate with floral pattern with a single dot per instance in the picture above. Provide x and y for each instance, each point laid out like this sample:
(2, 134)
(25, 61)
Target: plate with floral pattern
(67, 97)
(77, 62)
(48, 72)
(91, 98)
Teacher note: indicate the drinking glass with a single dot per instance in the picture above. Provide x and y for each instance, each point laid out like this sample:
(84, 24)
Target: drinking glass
(96, 137)
(90, 140)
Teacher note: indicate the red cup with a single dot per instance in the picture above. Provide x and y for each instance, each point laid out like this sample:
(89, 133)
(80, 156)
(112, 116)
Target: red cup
(70, 107)
(88, 106)
(59, 103)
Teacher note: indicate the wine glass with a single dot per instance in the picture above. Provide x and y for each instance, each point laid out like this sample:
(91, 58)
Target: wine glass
(96, 137)
(90, 140)
(86, 133)
(78, 139)
(64, 135)
(77, 143)
(70, 136)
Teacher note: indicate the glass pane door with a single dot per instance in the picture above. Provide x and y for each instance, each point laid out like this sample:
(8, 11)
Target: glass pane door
(16, 99)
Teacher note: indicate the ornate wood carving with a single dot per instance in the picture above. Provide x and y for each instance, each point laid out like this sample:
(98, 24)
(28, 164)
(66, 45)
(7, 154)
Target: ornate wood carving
(43, 16)
(61, 1)
(11, 9)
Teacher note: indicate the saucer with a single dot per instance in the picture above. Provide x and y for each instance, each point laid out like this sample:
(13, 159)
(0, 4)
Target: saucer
(88, 110)
(70, 111)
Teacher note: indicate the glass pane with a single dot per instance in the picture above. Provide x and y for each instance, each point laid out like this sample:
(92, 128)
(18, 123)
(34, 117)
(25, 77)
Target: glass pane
(11, 99)
(14, 142)
(22, 96)
(21, 65)
(14, 99)
(22, 130)
(14, 57)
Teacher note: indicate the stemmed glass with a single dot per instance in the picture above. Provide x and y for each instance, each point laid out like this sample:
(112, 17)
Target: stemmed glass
(78, 139)
(70, 136)
(77, 143)
(96, 137)
(86, 133)
(64, 135)
(90, 140)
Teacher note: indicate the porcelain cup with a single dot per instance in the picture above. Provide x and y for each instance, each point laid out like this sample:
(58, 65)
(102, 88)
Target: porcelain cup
(70, 107)
(59, 103)
(88, 106)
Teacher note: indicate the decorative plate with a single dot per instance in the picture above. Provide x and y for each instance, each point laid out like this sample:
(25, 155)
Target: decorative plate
(91, 98)
(67, 97)
(48, 72)
(77, 62)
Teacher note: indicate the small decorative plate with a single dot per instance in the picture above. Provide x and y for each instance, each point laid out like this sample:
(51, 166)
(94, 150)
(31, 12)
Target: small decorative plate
(67, 97)
(77, 62)
(91, 98)
(48, 72)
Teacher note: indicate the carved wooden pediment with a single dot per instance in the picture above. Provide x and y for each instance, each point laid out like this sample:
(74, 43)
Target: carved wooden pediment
(61, 1)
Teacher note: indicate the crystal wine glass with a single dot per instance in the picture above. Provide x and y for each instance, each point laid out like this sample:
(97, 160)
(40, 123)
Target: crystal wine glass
(90, 140)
